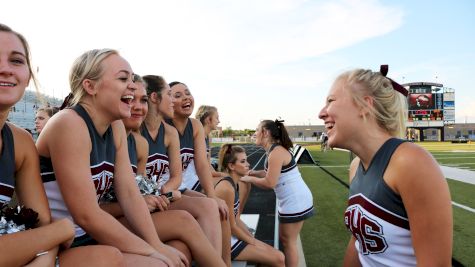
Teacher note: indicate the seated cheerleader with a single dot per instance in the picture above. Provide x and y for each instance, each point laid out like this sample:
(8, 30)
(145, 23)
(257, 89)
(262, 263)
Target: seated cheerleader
(233, 161)
(209, 118)
(83, 151)
(177, 228)
(165, 166)
(20, 173)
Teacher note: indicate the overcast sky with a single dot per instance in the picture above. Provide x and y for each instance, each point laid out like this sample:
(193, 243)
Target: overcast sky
(258, 59)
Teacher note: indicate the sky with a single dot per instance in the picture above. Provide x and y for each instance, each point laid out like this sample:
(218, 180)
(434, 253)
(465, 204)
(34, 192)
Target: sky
(257, 59)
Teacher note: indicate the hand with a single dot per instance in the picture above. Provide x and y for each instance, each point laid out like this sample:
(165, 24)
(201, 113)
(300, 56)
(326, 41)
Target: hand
(154, 203)
(44, 260)
(223, 208)
(176, 195)
(159, 256)
(246, 179)
(175, 256)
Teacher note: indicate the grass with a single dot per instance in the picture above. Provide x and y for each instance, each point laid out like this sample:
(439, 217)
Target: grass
(325, 237)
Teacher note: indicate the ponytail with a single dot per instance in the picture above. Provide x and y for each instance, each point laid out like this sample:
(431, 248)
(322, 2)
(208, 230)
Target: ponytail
(278, 132)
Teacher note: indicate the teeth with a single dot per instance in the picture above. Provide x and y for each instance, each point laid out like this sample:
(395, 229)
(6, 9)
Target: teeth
(7, 84)
(128, 97)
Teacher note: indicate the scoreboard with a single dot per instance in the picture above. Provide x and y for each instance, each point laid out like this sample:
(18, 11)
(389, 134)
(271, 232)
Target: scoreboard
(430, 105)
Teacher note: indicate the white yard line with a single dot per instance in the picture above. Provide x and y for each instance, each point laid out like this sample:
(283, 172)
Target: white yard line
(463, 207)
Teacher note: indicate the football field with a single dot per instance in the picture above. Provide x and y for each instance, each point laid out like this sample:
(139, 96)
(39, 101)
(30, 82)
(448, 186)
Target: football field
(325, 236)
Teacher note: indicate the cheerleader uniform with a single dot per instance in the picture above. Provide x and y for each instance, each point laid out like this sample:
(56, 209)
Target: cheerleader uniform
(187, 153)
(102, 159)
(132, 148)
(236, 245)
(376, 215)
(295, 199)
(158, 165)
(7, 165)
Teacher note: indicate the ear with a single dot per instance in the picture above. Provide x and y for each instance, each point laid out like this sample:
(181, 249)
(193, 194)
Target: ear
(154, 98)
(369, 103)
(231, 166)
(89, 86)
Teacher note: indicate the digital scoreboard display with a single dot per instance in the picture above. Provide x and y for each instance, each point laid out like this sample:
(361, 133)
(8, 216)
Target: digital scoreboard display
(425, 106)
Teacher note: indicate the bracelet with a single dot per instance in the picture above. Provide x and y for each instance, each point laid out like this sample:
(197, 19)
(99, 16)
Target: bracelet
(42, 253)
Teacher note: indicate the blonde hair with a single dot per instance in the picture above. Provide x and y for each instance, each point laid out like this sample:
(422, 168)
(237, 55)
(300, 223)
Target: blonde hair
(87, 66)
(204, 112)
(389, 106)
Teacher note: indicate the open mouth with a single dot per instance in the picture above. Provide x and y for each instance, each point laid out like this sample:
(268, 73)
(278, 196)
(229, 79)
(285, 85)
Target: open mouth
(6, 84)
(127, 99)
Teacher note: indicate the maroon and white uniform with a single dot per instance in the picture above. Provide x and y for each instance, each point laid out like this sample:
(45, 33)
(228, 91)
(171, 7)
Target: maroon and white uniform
(102, 158)
(376, 215)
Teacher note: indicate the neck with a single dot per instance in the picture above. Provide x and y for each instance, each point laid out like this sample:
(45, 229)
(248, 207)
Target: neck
(367, 148)
(153, 121)
(236, 177)
(3, 117)
(180, 123)
(207, 129)
(100, 120)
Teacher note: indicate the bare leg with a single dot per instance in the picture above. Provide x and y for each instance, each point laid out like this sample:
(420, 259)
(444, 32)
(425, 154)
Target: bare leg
(134, 260)
(226, 242)
(206, 213)
(288, 236)
(262, 253)
(180, 226)
(93, 256)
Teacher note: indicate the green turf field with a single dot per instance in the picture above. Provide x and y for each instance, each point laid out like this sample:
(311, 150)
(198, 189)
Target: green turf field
(325, 237)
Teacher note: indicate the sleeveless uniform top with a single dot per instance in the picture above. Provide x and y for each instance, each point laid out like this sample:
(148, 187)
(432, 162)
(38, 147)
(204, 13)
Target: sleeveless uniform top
(295, 198)
(208, 149)
(376, 215)
(7, 165)
(102, 159)
(132, 148)
(158, 163)
(187, 153)
(237, 245)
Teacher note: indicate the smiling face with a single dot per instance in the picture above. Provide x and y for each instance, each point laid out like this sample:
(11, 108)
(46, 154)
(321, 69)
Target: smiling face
(240, 166)
(183, 100)
(40, 120)
(114, 91)
(139, 109)
(341, 115)
(14, 70)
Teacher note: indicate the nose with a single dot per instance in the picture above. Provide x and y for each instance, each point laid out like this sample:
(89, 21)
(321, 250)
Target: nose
(323, 113)
(5, 68)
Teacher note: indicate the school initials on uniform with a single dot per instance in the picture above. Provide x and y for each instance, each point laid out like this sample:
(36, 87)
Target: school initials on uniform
(367, 231)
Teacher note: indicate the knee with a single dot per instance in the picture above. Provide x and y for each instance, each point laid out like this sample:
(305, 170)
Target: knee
(109, 256)
(279, 258)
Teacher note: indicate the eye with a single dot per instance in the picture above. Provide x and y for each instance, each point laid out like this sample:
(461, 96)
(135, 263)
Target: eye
(18, 61)
(124, 79)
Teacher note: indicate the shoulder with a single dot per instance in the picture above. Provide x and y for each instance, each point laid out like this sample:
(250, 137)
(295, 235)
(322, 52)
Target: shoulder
(225, 186)
(139, 139)
(412, 165)
(279, 152)
(19, 133)
(66, 128)
(170, 130)
(197, 126)
(23, 141)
